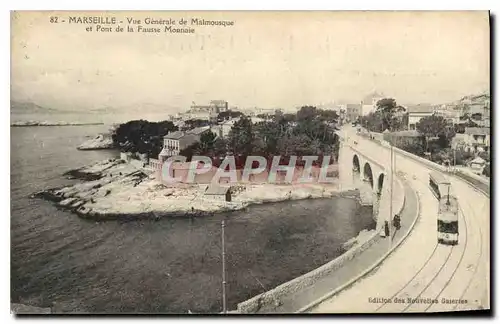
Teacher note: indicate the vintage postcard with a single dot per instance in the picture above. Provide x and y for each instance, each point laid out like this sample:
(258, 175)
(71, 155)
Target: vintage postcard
(170, 162)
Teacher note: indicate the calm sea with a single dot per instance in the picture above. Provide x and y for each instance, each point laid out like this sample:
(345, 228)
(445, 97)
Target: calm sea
(167, 266)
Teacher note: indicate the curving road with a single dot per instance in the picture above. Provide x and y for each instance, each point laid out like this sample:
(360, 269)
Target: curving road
(421, 275)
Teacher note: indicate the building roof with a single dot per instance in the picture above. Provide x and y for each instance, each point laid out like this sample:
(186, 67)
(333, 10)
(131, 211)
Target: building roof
(215, 189)
(218, 102)
(230, 121)
(189, 139)
(478, 160)
(448, 113)
(407, 133)
(421, 108)
(198, 130)
(354, 106)
(256, 120)
(477, 131)
(174, 135)
(482, 123)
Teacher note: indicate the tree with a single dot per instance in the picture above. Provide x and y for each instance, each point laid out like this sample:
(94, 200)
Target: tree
(465, 116)
(269, 132)
(373, 122)
(387, 108)
(241, 137)
(306, 113)
(485, 156)
(462, 157)
(194, 123)
(206, 143)
(285, 118)
(329, 116)
(433, 126)
(228, 114)
(220, 146)
(476, 116)
(298, 144)
(142, 136)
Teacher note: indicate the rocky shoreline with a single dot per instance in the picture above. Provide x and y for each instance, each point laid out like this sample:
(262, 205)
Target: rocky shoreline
(100, 142)
(115, 190)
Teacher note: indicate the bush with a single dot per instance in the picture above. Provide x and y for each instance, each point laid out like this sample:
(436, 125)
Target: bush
(486, 170)
(443, 156)
(485, 155)
(462, 157)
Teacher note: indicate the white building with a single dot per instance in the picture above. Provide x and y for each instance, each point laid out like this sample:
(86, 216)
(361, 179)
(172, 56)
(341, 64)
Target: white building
(174, 142)
(477, 138)
(452, 116)
(171, 144)
(369, 103)
(477, 165)
(417, 112)
(225, 127)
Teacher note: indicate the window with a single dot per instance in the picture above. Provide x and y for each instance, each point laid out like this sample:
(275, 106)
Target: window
(447, 227)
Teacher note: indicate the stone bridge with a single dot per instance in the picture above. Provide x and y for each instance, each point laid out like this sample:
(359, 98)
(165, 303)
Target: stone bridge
(373, 180)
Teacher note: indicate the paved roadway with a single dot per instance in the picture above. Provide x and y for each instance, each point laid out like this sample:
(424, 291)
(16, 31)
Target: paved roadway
(421, 270)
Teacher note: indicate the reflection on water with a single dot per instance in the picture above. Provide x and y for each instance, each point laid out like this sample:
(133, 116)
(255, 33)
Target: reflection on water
(171, 265)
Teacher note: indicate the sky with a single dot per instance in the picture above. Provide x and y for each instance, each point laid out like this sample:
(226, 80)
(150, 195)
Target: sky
(266, 59)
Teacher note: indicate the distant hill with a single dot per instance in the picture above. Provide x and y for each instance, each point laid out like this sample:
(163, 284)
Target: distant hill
(18, 107)
(29, 108)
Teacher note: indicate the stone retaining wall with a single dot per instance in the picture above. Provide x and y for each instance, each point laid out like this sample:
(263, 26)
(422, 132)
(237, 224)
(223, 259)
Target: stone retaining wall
(272, 297)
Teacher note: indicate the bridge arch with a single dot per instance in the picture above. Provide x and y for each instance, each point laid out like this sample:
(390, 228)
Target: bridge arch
(356, 167)
(368, 173)
(380, 183)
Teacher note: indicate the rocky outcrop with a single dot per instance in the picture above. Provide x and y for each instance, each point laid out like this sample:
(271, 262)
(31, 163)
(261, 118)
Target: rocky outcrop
(115, 189)
(100, 142)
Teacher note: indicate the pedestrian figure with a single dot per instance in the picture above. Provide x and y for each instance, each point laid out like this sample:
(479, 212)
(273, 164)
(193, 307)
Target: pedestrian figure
(397, 221)
(386, 228)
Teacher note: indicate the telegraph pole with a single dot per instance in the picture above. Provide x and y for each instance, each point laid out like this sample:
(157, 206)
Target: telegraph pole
(224, 309)
(390, 206)
(454, 159)
(392, 185)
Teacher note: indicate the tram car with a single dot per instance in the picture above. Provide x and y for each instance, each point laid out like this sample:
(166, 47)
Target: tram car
(447, 220)
(447, 217)
(438, 184)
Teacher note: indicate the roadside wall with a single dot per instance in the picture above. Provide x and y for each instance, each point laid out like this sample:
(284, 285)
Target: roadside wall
(271, 298)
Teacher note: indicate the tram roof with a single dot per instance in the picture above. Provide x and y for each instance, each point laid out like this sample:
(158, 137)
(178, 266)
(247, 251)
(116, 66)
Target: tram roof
(438, 177)
(448, 211)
